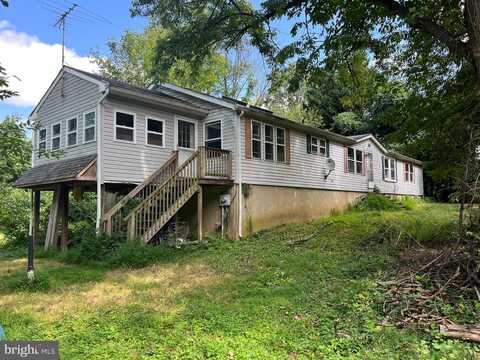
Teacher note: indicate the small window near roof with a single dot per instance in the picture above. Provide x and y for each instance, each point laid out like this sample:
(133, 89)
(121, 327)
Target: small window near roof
(256, 140)
(42, 140)
(354, 161)
(124, 127)
(213, 134)
(389, 169)
(268, 138)
(72, 132)
(280, 144)
(318, 146)
(89, 123)
(409, 174)
(56, 130)
(154, 132)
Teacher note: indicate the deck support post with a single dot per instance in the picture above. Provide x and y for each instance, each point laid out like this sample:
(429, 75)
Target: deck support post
(64, 217)
(200, 212)
(36, 216)
(33, 237)
(58, 213)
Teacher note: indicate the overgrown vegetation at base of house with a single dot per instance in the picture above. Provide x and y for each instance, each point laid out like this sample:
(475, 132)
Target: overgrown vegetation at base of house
(297, 291)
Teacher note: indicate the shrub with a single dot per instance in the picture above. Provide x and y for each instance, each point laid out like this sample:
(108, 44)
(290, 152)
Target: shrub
(82, 229)
(132, 254)
(93, 248)
(14, 215)
(375, 202)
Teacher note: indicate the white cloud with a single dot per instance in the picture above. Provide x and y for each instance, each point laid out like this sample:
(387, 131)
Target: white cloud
(32, 65)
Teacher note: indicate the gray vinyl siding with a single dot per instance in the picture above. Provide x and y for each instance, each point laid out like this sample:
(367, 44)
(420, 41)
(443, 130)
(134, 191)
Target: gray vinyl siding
(308, 170)
(227, 117)
(133, 162)
(400, 186)
(79, 96)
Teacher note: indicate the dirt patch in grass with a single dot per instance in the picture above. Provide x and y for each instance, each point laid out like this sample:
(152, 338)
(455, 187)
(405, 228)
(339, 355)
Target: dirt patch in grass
(156, 285)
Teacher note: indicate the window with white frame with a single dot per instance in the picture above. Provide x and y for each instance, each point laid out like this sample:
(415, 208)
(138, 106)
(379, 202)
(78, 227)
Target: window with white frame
(42, 140)
(89, 124)
(72, 127)
(280, 144)
(354, 161)
(409, 174)
(257, 140)
(124, 126)
(56, 131)
(186, 134)
(268, 142)
(318, 146)
(389, 169)
(213, 134)
(154, 132)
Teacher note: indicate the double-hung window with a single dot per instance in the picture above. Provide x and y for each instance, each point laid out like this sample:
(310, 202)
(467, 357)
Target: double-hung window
(409, 174)
(124, 126)
(56, 131)
(268, 142)
(89, 123)
(280, 144)
(154, 132)
(389, 169)
(213, 134)
(317, 146)
(72, 131)
(257, 140)
(354, 161)
(42, 140)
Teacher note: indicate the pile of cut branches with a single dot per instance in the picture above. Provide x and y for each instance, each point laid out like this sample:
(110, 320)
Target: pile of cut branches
(425, 281)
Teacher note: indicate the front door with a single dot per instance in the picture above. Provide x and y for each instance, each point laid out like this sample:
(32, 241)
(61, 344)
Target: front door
(186, 139)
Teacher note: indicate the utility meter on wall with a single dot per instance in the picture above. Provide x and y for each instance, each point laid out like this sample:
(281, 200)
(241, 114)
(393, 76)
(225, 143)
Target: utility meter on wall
(225, 200)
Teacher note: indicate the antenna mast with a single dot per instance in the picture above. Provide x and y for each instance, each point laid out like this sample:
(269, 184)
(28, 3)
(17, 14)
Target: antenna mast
(61, 25)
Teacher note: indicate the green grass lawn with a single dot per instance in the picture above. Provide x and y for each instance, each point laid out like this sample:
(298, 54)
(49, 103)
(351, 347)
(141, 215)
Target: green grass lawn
(259, 298)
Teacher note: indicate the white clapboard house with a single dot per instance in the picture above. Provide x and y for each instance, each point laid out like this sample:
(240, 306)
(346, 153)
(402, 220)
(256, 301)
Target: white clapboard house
(166, 155)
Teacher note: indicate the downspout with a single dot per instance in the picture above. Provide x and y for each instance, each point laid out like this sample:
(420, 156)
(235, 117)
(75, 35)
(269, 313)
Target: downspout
(239, 171)
(100, 158)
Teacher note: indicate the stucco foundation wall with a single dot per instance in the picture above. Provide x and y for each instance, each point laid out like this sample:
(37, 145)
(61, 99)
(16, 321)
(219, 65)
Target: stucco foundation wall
(267, 206)
(212, 216)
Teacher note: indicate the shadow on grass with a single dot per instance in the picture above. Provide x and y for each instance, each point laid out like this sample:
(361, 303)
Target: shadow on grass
(50, 277)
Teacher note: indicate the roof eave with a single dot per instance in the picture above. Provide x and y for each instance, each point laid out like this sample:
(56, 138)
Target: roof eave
(159, 100)
(277, 120)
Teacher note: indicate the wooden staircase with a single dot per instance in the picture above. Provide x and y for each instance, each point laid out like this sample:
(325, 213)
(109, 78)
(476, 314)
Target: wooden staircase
(149, 207)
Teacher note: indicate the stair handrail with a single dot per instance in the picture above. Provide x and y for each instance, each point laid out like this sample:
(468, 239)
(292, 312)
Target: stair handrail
(165, 184)
(172, 161)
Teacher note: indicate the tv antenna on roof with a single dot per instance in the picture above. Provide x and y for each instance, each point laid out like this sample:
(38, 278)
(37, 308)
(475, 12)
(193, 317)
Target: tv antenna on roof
(60, 23)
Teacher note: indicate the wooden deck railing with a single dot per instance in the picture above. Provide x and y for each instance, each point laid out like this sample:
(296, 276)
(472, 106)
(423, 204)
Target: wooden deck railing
(215, 163)
(147, 208)
(114, 218)
(147, 218)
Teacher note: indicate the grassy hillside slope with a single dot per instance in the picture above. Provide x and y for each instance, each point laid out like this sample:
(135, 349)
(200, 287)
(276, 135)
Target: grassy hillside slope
(281, 294)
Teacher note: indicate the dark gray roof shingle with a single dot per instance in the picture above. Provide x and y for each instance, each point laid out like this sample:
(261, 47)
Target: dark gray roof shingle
(56, 171)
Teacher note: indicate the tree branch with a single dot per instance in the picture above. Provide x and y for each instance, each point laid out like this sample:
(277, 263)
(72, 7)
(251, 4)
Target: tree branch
(427, 25)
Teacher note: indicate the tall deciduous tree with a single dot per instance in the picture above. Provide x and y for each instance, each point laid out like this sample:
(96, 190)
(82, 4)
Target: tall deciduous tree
(133, 59)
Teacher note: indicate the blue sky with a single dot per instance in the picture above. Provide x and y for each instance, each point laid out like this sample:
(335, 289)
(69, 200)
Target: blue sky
(30, 44)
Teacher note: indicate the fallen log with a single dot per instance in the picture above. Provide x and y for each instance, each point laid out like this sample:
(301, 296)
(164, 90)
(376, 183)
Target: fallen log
(471, 333)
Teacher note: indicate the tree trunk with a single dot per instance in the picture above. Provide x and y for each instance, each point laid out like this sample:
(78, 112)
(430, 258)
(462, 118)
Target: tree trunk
(472, 20)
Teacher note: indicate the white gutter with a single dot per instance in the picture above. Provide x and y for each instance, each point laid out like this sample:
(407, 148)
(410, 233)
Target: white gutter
(100, 159)
(238, 162)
